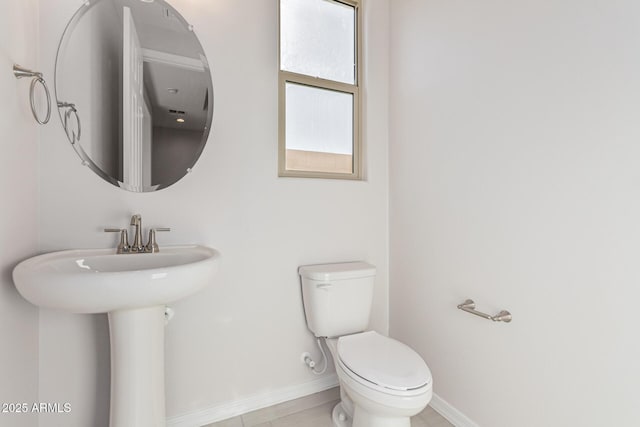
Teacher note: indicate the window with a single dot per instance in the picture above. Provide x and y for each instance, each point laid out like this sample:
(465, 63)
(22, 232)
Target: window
(319, 104)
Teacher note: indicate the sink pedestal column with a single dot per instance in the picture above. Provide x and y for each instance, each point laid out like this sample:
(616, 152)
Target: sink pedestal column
(137, 367)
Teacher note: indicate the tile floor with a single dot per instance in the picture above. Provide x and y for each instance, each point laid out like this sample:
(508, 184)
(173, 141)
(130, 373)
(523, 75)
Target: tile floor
(313, 411)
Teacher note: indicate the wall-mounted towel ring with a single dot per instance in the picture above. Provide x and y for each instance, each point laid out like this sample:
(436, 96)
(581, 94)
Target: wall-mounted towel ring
(68, 109)
(21, 72)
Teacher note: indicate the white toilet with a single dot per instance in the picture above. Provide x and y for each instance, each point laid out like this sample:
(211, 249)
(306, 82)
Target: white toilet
(382, 381)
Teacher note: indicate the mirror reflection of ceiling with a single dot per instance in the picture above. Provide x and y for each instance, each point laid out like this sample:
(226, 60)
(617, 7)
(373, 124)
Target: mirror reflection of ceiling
(159, 29)
(171, 95)
(160, 81)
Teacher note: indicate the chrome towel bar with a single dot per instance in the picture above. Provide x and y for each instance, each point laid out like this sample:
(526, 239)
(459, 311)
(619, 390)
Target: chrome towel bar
(470, 307)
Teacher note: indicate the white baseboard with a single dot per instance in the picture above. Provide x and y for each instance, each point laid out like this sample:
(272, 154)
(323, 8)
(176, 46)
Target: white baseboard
(251, 403)
(455, 417)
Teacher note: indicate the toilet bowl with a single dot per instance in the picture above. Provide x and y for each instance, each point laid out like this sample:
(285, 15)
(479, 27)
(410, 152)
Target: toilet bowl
(383, 382)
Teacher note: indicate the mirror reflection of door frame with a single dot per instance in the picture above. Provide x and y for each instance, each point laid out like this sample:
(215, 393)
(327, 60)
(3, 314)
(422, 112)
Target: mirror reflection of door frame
(133, 105)
(147, 138)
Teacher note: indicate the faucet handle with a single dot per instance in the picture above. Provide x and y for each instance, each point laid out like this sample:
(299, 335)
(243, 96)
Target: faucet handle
(123, 246)
(152, 245)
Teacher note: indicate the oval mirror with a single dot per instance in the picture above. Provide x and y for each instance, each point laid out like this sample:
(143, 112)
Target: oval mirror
(134, 92)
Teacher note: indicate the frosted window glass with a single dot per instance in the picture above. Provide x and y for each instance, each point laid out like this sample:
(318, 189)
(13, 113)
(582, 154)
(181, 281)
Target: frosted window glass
(319, 120)
(318, 39)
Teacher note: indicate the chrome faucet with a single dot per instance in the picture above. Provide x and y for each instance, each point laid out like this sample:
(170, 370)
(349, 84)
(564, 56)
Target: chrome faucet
(137, 247)
(136, 221)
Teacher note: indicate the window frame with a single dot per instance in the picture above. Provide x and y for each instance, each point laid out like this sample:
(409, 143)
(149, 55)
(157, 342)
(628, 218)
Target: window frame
(355, 89)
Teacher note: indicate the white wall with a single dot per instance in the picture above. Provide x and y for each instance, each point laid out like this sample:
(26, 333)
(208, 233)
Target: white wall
(244, 335)
(515, 181)
(18, 206)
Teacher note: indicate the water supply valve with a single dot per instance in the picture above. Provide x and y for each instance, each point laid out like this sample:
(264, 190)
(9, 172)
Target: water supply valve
(307, 360)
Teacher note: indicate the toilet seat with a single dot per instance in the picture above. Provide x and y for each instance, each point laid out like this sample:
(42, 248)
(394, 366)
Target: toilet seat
(383, 364)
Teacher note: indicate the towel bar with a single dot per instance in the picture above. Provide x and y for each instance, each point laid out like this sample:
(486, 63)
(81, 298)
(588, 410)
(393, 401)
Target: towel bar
(470, 307)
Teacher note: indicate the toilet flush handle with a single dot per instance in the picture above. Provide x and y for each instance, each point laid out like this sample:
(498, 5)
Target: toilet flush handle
(323, 285)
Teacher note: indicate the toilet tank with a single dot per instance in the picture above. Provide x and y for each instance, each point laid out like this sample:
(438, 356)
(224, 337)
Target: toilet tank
(337, 297)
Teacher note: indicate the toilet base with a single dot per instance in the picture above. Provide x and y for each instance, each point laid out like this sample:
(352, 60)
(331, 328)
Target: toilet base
(363, 418)
(340, 417)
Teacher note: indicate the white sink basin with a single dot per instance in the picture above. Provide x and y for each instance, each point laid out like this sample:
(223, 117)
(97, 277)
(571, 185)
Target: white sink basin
(133, 289)
(99, 281)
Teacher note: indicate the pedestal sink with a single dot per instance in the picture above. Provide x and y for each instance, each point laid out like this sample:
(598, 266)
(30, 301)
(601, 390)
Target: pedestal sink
(133, 289)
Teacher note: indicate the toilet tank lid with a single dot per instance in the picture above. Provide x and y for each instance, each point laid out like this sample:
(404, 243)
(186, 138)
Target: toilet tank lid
(337, 271)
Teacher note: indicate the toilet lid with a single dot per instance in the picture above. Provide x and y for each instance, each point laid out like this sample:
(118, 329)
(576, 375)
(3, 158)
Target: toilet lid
(383, 361)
